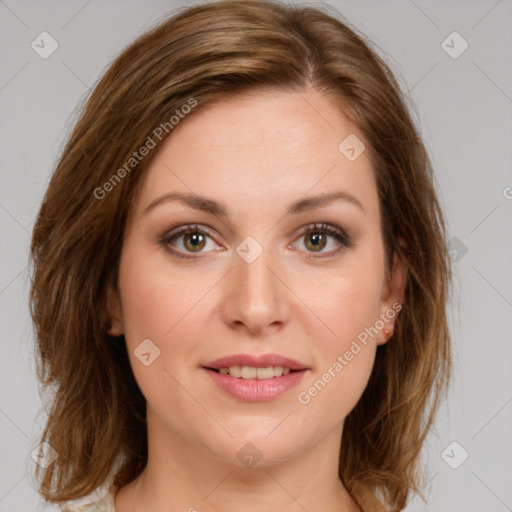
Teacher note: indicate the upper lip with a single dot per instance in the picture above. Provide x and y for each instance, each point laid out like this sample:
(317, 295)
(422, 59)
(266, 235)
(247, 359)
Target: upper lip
(262, 361)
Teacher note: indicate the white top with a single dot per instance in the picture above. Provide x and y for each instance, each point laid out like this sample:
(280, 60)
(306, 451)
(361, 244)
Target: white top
(105, 504)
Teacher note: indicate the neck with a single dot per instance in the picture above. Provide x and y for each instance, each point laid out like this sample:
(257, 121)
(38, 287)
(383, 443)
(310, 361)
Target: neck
(184, 477)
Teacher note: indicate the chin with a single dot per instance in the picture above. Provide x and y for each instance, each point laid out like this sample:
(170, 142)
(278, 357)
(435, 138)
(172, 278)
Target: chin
(256, 449)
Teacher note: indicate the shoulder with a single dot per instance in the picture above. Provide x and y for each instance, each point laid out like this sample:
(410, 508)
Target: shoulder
(105, 504)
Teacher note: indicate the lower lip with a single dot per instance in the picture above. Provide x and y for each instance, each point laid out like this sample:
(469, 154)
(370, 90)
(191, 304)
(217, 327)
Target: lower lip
(256, 390)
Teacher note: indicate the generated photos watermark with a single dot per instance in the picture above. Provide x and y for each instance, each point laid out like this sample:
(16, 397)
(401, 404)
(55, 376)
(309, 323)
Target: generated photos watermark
(151, 142)
(304, 397)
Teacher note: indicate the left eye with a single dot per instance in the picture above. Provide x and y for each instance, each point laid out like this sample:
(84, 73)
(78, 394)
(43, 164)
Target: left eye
(316, 238)
(194, 239)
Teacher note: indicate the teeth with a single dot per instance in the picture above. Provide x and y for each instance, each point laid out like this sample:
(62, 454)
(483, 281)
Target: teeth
(265, 373)
(235, 371)
(250, 372)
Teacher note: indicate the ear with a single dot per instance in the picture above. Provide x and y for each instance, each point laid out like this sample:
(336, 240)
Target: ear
(114, 312)
(393, 293)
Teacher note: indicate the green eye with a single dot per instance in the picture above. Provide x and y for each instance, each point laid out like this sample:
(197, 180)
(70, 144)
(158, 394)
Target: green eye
(316, 238)
(186, 240)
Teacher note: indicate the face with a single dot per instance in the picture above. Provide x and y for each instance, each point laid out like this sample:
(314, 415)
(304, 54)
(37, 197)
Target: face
(278, 251)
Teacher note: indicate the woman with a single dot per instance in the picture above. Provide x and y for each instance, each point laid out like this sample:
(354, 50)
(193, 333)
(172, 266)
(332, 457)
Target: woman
(240, 274)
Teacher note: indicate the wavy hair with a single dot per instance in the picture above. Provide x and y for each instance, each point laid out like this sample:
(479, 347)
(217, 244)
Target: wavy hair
(96, 413)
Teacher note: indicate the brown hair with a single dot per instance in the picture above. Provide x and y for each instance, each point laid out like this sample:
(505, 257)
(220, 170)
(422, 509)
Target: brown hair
(96, 421)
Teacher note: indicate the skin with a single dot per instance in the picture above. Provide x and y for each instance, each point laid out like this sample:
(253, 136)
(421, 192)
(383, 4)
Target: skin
(256, 154)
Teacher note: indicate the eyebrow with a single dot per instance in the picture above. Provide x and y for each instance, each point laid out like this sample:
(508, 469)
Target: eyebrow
(210, 206)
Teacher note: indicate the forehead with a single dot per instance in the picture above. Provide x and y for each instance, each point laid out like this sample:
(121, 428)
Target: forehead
(259, 150)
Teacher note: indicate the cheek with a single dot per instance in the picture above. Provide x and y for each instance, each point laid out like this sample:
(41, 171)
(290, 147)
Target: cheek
(347, 303)
(157, 298)
(334, 390)
(169, 306)
(344, 359)
(163, 305)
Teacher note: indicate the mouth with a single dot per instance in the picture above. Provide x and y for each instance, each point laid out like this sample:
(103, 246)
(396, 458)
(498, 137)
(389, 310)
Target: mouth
(255, 379)
(252, 372)
(245, 365)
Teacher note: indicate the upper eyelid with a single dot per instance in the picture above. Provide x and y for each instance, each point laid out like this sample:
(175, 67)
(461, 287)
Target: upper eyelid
(320, 226)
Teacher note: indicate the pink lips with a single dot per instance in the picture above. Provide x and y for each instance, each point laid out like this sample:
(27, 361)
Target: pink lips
(256, 390)
(262, 361)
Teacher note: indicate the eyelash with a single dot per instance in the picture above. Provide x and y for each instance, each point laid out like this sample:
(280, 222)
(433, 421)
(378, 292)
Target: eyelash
(316, 228)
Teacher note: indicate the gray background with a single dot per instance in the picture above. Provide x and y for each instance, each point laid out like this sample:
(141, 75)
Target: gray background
(463, 106)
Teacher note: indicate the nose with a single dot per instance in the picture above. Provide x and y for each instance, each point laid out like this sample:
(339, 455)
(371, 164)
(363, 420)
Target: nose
(255, 299)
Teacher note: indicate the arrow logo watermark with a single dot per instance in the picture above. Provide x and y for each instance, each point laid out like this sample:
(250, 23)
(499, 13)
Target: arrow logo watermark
(146, 352)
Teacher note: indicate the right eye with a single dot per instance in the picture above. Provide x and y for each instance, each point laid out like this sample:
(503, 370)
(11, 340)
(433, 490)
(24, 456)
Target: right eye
(191, 238)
